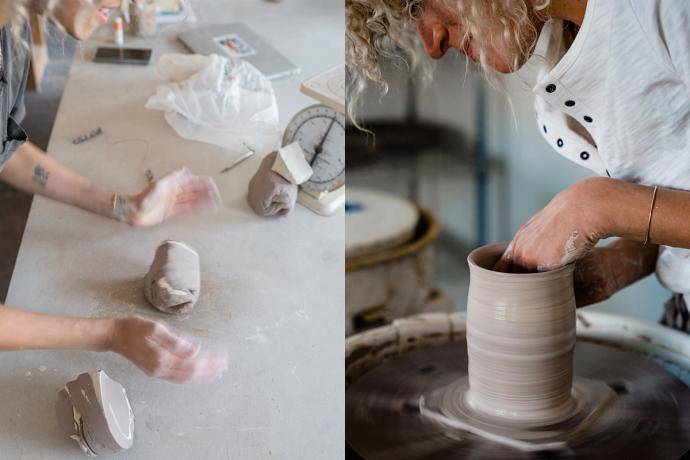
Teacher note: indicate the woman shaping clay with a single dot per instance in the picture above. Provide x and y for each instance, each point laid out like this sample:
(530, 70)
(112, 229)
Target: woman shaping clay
(612, 94)
(148, 344)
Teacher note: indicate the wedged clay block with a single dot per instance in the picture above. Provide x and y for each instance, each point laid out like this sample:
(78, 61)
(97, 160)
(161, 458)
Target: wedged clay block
(291, 164)
(269, 193)
(173, 282)
(94, 410)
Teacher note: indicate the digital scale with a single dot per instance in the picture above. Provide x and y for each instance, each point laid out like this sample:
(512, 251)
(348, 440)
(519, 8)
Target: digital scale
(320, 131)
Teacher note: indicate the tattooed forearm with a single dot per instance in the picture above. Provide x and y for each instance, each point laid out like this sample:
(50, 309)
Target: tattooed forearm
(41, 176)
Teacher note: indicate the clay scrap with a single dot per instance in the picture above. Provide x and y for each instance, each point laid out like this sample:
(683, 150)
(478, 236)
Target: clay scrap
(291, 164)
(94, 410)
(173, 282)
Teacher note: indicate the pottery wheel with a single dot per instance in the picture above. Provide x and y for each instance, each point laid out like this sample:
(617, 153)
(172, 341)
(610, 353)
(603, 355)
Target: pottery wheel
(651, 418)
(377, 221)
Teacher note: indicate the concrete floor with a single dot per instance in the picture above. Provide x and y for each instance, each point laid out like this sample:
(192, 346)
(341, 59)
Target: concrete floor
(41, 107)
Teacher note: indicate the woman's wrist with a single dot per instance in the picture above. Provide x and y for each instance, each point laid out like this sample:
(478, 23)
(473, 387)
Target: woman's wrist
(116, 329)
(118, 207)
(100, 333)
(121, 208)
(618, 208)
(97, 200)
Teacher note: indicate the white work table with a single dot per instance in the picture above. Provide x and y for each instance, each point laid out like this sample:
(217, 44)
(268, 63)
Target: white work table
(272, 292)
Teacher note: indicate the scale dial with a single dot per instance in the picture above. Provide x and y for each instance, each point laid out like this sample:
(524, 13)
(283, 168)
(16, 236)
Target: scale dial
(320, 131)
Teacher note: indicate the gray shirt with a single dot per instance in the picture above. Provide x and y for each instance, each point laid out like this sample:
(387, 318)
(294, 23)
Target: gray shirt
(15, 71)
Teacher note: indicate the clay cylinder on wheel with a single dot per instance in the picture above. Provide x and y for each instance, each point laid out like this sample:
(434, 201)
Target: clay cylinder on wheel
(520, 341)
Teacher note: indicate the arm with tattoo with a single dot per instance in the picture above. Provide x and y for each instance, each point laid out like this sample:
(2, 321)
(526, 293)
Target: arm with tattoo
(41, 176)
(177, 193)
(31, 170)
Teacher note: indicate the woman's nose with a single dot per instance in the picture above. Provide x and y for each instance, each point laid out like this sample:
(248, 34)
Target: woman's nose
(435, 38)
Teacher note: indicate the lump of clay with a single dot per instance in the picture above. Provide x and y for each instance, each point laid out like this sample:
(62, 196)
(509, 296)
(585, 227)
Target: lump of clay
(173, 282)
(269, 193)
(94, 410)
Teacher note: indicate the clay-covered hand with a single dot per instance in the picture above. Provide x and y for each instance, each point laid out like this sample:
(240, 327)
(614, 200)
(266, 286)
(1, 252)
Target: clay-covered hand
(606, 270)
(162, 354)
(269, 193)
(561, 233)
(180, 192)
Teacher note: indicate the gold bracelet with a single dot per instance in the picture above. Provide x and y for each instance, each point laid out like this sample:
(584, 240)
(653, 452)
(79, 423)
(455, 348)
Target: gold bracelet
(649, 220)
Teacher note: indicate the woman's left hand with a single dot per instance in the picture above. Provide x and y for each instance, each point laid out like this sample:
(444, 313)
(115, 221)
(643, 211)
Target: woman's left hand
(561, 233)
(180, 192)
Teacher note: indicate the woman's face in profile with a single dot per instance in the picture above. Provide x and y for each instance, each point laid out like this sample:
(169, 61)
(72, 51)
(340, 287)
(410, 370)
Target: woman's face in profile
(440, 28)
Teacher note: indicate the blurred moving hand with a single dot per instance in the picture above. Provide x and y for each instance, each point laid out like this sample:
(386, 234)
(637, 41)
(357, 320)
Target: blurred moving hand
(162, 354)
(180, 192)
(148, 344)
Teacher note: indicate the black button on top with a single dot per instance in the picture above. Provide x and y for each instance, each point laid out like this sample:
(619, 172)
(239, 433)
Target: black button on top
(584, 156)
(559, 142)
(550, 88)
(570, 103)
(588, 119)
(545, 130)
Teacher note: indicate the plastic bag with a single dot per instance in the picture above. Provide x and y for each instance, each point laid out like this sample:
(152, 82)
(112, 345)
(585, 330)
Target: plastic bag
(225, 102)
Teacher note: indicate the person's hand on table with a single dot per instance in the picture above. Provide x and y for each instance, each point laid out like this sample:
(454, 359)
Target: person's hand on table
(180, 192)
(162, 354)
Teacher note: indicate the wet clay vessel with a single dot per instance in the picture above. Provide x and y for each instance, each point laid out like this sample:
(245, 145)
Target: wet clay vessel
(519, 389)
(520, 341)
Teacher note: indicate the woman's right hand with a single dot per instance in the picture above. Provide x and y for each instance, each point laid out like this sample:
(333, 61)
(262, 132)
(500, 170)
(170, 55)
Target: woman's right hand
(179, 192)
(160, 353)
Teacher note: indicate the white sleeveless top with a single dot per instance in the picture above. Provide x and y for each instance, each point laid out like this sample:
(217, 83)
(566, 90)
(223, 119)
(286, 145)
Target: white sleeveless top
(618, 101)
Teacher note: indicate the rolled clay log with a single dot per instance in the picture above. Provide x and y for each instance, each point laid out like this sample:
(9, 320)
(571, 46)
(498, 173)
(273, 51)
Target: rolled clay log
(520, 341)
(173, 282)
(269, 193)
(94, 410)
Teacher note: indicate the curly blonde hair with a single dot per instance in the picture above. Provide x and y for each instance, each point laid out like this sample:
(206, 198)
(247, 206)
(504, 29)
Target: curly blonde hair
(376, 28)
